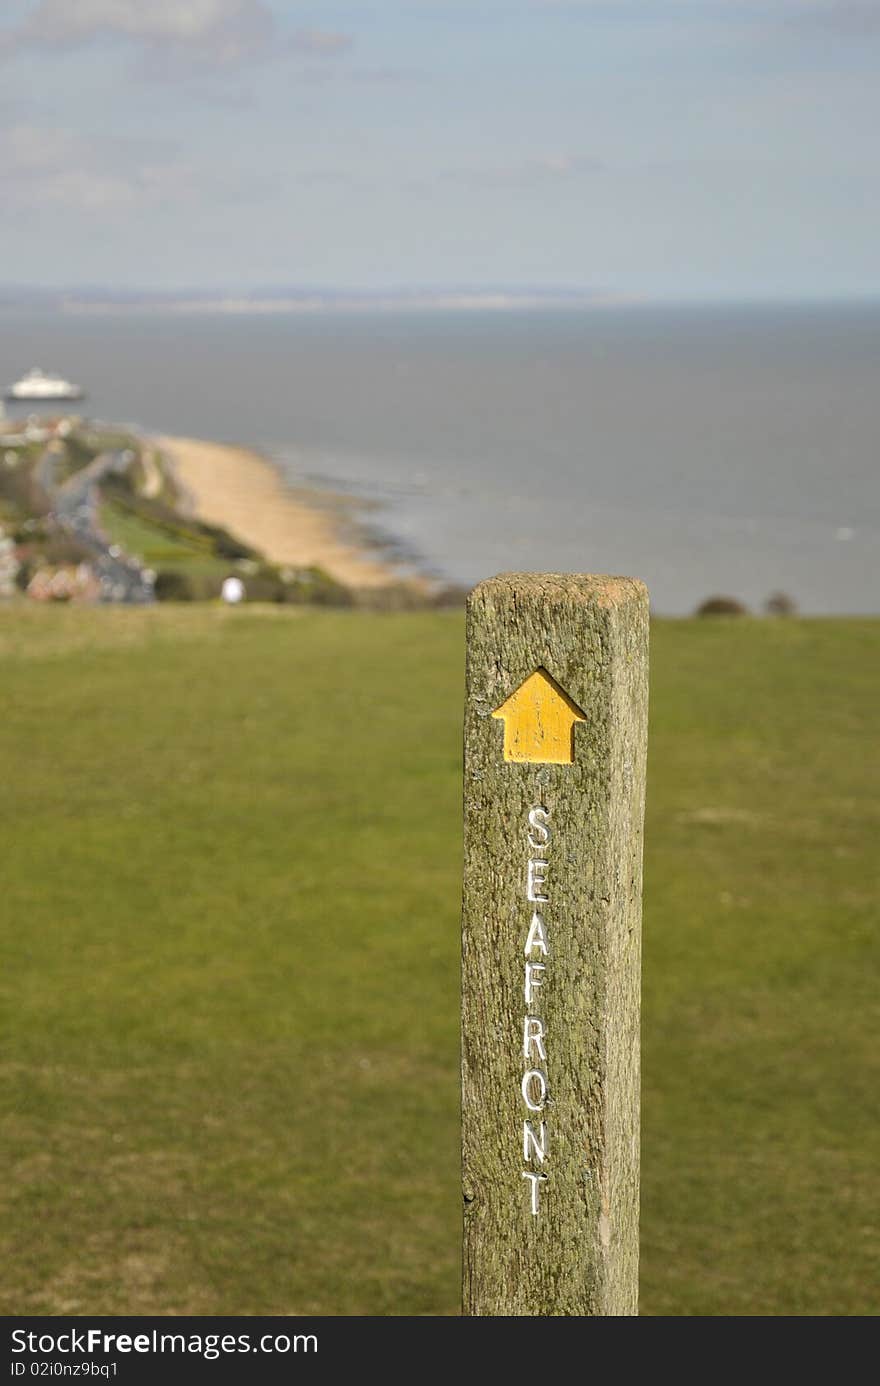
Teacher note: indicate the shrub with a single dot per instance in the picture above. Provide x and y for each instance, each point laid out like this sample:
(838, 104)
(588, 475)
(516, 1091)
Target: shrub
(61, 548)
(780, 604)
(314, 586)
(174, 586)
(20, 490)
(451, 596)
(225, 544)
(722, 606)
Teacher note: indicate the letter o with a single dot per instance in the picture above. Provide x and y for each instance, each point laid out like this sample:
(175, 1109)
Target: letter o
(541, 1078)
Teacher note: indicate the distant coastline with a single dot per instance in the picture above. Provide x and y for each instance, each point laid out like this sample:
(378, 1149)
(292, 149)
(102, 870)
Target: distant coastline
(302, 300)
(729, 451)
(95, 512)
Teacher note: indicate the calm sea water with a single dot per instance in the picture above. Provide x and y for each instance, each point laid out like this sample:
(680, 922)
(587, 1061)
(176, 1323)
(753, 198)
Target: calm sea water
(705, 450)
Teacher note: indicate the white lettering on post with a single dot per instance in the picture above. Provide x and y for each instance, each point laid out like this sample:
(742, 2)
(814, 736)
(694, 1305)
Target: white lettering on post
(539, 819)
(533, 1035)
(531, 1076)
(537, 936)
(532, 979)
(536, 1179)
(534, 1086)
(537, 870)
(534, 1144)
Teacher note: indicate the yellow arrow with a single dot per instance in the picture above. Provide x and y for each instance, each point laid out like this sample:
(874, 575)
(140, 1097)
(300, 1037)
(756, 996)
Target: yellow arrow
(539, 720)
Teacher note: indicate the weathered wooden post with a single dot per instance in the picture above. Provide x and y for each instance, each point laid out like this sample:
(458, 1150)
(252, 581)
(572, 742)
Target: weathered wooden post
(554, 772)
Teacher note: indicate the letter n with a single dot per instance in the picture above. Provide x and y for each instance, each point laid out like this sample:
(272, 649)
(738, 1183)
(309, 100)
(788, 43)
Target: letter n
(534, 1144)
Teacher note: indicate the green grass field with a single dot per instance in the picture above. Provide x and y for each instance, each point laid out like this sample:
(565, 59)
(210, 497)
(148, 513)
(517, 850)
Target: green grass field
(230, 964)
(158, 548)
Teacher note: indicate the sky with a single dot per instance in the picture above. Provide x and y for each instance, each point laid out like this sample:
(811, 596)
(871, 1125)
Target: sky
(668, 149)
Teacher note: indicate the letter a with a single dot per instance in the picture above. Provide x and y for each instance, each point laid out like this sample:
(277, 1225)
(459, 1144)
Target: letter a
(537, 937)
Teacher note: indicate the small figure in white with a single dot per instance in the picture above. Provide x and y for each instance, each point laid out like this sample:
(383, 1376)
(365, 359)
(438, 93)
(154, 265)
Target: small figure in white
(232, 590)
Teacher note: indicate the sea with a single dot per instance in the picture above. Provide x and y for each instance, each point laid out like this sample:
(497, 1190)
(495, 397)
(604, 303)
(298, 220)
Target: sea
(709, 450)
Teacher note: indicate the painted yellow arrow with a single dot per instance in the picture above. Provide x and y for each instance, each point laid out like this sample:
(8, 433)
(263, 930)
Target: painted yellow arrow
(539, 720)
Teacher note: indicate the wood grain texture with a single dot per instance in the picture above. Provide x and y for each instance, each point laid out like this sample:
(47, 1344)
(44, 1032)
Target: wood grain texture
(579, 1255)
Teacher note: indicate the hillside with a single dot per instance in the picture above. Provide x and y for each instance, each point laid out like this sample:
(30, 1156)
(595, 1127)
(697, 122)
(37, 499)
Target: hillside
(230, 963)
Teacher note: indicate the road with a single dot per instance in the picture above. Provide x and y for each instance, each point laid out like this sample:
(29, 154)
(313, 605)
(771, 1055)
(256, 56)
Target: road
(75, 509)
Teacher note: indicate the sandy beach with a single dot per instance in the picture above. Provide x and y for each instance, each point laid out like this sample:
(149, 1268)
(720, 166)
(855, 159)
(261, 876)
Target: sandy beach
(238, 489)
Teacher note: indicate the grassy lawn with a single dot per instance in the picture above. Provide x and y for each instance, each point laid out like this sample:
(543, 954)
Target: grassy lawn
(157, 548)
(230, 964)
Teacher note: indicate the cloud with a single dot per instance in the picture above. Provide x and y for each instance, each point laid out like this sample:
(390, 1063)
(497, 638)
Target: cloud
(847, 18)
(845, 15)
(386, 76)
(623, 8)
(317, 43)
(541, 168)
(217, 34)
(48, 169)
(172, 37)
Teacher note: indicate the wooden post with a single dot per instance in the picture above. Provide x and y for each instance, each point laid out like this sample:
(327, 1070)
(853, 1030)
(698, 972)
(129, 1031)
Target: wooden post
(554, 772)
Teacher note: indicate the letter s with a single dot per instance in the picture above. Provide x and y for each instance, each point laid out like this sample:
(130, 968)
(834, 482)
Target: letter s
(538, 820)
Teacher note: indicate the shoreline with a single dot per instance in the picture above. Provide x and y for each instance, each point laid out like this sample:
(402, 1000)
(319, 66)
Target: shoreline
(244, 492)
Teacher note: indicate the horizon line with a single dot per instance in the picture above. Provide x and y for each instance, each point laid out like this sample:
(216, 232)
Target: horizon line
(298, 297)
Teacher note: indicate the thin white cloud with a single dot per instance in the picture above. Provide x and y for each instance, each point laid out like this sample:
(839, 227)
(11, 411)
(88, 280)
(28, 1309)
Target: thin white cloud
(320, 43)
(177, 21)
(170, 35)
(844, 15)
(48, 168)
(650, 8)
(848, 18)
(390, 76)
(540, 168)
